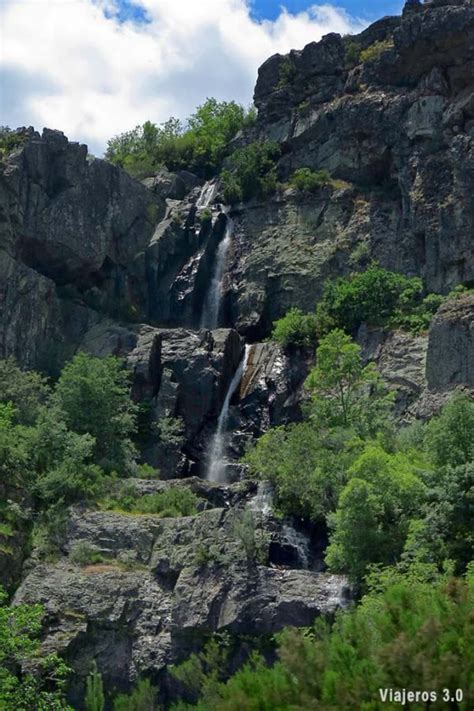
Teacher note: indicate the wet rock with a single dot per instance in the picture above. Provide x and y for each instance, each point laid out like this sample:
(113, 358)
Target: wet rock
(271, 390)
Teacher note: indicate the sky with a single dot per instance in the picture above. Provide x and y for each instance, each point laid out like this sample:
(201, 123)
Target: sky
(96, 68)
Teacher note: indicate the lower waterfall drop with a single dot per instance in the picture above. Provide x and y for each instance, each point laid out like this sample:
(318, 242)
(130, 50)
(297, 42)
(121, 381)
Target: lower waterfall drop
(262, 502)
(216, 461)
(212, 303)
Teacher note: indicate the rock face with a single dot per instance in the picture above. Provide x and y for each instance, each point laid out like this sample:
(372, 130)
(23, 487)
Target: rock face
(93, 260)
(398, 128)
(165, 584)
(450, 360)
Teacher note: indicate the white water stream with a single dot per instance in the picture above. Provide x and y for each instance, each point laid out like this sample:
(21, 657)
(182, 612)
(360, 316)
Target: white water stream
(216, 458)
(206, 195)
(212, 302)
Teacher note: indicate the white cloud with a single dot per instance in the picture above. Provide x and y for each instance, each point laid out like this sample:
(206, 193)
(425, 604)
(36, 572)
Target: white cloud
(67, 65)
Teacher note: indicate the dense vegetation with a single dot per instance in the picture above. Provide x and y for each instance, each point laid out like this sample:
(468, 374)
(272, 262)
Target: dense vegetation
(307, 180)
(412, 631)
(397, 503)
(10, 141)
(383, 493)
(43, 686)
(76, 441)
(251, 172)
(200, 144)
(377, 297)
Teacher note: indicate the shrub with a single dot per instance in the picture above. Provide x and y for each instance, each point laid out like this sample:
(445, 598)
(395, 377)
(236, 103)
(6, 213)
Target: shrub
(353, 50)
(205, 216)
(26, 390)
(14, 449)
(95, 699)
(171, 431)
(85, 554)
(252, 172)
(450, 436)
(375, 296)
(375, 50)
(200, 145)
(173, 502)
(10, 141)
(295, 329)
(93, 394)
(142, 698)
(254, 540)
(21, 689)
(287, 72)
(307, 180)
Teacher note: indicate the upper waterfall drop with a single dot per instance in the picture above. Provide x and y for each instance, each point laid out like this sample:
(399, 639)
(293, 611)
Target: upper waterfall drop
(206, 195)
(216, 461)
(213, 300)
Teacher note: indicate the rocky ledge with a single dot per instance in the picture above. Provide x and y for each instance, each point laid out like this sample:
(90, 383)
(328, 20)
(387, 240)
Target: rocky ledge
(165, 584)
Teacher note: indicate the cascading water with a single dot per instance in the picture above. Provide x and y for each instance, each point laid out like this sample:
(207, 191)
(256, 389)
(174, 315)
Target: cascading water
(299, 542)
(212, 302)
(216, 461)
(262, 502)
(206, 195)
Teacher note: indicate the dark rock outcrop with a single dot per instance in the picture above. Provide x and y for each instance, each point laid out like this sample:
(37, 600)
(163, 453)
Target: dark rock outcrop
(450, 360)
(164, 586)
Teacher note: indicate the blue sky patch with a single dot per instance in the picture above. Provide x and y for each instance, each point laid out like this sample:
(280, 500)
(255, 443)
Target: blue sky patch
(127, 11)
(270, 9)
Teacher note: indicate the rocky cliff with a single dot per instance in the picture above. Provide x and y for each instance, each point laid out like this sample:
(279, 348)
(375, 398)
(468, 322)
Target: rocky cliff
(93, 260)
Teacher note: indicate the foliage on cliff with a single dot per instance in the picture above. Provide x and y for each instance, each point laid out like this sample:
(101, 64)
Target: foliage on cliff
(384, 494)
(29, 681)
(200, 144)
(412, 631)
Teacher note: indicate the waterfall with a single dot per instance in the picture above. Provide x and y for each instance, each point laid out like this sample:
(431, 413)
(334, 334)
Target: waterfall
(206, 195)
(299, 542)
(216, 462)
(262, 502)
(212, 303)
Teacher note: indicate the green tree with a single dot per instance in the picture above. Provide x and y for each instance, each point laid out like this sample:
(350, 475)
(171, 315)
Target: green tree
(200, 144)
(450, 437)
(95, 699)
(413, 634)
(93, 394)
(62, 460)
(26, 390)
(14, 451)
(43, 690)
(142, 698)
(252, 172)
(371, 524)
(307, 467)
(445, 531)
(376, 296)
(345, 392)
(295, 329)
